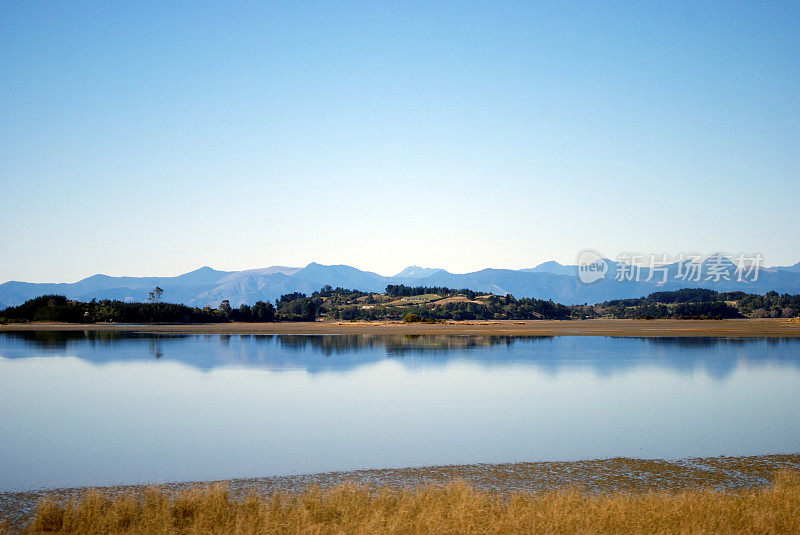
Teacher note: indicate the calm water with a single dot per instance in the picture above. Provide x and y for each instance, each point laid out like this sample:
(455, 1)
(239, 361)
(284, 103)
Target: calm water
(107, 408)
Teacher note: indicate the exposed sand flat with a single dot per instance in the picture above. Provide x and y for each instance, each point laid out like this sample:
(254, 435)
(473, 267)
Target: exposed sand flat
(594, 476)
(604, 327)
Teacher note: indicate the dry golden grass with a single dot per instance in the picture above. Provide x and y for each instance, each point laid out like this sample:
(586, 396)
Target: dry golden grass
(456, 508)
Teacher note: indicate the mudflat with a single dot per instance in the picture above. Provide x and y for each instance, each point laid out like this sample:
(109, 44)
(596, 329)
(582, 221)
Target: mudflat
(770, 327)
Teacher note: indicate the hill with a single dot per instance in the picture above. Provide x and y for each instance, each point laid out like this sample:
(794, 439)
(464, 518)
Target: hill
(548, 281)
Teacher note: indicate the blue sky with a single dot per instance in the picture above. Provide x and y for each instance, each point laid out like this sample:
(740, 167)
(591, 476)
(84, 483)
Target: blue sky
(138, 138)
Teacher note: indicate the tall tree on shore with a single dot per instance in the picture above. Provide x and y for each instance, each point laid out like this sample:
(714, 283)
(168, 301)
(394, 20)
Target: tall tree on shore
(155, 295)
(225, 308)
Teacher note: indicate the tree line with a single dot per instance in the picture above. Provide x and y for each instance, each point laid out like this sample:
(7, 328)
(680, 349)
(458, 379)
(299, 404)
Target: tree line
(59, 308)
(401, 290)
(698, 303)
(345, 304)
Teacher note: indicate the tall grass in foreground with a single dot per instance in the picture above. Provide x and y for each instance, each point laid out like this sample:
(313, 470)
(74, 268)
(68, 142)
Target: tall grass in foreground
(456, 508)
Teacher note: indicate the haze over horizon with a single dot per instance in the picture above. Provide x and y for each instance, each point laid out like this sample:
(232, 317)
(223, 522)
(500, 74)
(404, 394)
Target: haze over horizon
(148, 139)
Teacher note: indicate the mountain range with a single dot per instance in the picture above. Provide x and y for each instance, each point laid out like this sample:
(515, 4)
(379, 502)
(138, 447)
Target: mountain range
(549, 280)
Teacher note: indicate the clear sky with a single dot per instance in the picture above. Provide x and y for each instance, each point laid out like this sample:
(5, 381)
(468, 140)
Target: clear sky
(147, 138)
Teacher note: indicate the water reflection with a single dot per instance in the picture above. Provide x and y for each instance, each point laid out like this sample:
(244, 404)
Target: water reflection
(84, 408)
(606, 356)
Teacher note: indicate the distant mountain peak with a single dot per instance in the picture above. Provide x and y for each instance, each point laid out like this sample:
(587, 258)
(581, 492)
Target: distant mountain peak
(549, 280)
(551, 266)
(267, 271)
(794, 268)
(97, 276)
(417, 272)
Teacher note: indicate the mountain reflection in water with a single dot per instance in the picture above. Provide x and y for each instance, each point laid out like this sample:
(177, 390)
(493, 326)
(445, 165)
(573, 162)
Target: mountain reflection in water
(606, 356)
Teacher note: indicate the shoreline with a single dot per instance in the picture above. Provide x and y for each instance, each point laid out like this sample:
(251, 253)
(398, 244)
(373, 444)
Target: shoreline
(614, 475)
(771, 327)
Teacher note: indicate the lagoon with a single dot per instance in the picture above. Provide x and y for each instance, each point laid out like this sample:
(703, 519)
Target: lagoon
(102, 408)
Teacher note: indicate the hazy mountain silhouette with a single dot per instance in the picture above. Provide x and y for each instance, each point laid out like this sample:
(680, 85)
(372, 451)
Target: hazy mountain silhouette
(795, 268)
(550, 280)
(551, 266)
(416, 272)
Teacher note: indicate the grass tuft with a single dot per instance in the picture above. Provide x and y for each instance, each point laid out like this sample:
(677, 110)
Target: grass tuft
(455, 508)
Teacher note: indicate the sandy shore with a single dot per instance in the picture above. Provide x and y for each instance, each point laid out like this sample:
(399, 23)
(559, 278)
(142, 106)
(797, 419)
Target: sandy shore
(603, 327)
